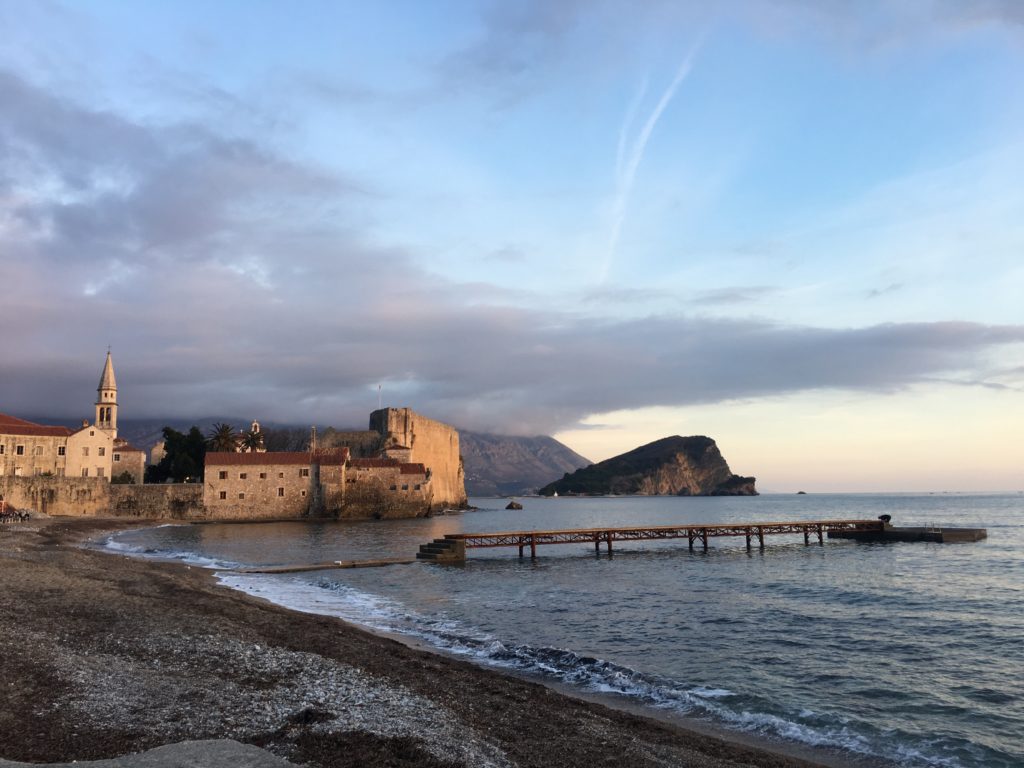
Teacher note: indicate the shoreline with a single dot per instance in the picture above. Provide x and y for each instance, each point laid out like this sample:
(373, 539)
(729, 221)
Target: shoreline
(510, 718)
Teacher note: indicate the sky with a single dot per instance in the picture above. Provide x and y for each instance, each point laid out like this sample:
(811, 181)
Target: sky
(796, 227)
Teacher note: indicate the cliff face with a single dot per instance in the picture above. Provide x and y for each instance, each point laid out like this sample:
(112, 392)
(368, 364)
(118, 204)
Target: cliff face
(498, 465)
(672, 466)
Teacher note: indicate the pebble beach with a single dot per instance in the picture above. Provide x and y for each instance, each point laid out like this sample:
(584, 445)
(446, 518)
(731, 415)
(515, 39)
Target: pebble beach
(104, 656)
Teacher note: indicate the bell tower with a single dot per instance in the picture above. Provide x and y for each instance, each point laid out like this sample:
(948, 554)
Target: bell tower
(106, 399)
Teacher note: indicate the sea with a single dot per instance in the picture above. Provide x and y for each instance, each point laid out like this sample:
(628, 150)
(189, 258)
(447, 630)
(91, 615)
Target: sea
(888, 653)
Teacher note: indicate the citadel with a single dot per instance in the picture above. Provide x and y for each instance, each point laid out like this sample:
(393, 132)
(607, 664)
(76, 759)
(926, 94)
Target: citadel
(403, 465)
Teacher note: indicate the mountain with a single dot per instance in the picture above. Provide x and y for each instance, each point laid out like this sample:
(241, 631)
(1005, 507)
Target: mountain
(499, 465)
(677, 466)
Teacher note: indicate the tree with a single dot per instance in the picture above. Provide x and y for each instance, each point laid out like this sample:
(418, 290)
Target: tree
(184, 457)
(223, 439)
(125, 478)
(252, 441)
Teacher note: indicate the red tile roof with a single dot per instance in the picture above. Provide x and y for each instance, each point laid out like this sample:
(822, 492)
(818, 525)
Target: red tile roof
(7, 420)
(12, 425)
(271, 458)
(403, 468)
(373, 463)
(127, 448)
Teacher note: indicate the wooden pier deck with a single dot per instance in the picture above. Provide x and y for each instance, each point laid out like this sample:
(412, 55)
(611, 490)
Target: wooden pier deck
(452, 548)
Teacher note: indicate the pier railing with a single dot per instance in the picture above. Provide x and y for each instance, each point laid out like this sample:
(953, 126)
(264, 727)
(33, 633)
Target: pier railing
(453, 546)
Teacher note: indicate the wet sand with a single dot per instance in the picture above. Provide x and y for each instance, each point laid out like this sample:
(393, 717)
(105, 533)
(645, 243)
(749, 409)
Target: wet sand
(102, 655)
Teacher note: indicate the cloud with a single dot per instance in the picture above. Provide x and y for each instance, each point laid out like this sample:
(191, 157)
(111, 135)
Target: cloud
(735, 295)
(624, 295)
(631, 154)
(230, 281)
(89, 186)
(514, 39)
(874, 293)
(509, 254)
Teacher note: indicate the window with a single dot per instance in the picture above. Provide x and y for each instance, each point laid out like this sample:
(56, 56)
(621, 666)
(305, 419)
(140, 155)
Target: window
(394, 487)
(102, 452)
(405, 486)
(223, 494)
(85, 471)
(243, 475)
(99, 471)
(280, 491)
(37, 451)
(263, 475)
(222, 475)
(416, 487)
(61, 450)
(303, 493)
(1, 449)
(85, 451)
(17, 471)
(20, 450)
(117, 457)
(304, 472)
(280, 474)
(241, 496)
(92, 433)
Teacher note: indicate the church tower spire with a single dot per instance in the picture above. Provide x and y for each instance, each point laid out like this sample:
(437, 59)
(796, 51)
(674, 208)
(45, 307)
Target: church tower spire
(106, 400)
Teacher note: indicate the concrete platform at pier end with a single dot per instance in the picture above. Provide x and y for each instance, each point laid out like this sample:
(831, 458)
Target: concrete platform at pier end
(937, 535)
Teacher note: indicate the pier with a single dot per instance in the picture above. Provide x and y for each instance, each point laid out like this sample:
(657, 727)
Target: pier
(452, 548)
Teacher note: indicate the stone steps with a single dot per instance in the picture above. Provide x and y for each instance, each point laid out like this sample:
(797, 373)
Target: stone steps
(443, 551)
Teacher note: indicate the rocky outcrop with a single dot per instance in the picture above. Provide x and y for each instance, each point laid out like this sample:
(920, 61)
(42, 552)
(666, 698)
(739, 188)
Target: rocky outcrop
(672, 466)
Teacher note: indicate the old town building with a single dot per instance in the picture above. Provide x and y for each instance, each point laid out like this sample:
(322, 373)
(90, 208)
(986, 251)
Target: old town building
(28, 449)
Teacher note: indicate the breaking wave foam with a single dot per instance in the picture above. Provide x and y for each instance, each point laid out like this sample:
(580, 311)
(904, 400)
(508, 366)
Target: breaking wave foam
(112, 544)
(584, 672)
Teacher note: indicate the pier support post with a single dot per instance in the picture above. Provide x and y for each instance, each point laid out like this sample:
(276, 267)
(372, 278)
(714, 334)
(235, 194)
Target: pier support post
(597, 545)
(704, 538)
(821, 534)
(748, 540)
(760, 537)
(520, 550)
(608, 538)
(533, 547)
(689, 535)
(807, 537)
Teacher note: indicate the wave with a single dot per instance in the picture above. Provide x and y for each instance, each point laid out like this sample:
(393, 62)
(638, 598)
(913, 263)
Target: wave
(590, 674)
(155, 553)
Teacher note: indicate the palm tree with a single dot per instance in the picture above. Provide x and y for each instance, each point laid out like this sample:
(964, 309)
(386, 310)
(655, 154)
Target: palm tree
(222, 439)
(252, 441)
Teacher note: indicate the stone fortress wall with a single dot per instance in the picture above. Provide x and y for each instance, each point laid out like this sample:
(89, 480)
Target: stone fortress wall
(274, 485)
(96, 497)
(384, 488)
(431, 443)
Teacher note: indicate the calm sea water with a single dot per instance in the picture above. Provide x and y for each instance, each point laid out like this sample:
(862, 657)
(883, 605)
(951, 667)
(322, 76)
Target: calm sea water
(910, 653)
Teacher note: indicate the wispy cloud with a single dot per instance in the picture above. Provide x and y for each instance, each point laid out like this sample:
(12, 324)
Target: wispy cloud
(735, 295)
(628, 159)
(874, 293)
(609, 294)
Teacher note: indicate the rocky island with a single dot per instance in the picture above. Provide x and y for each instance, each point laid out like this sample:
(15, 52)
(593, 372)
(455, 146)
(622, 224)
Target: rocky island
(672, 466)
